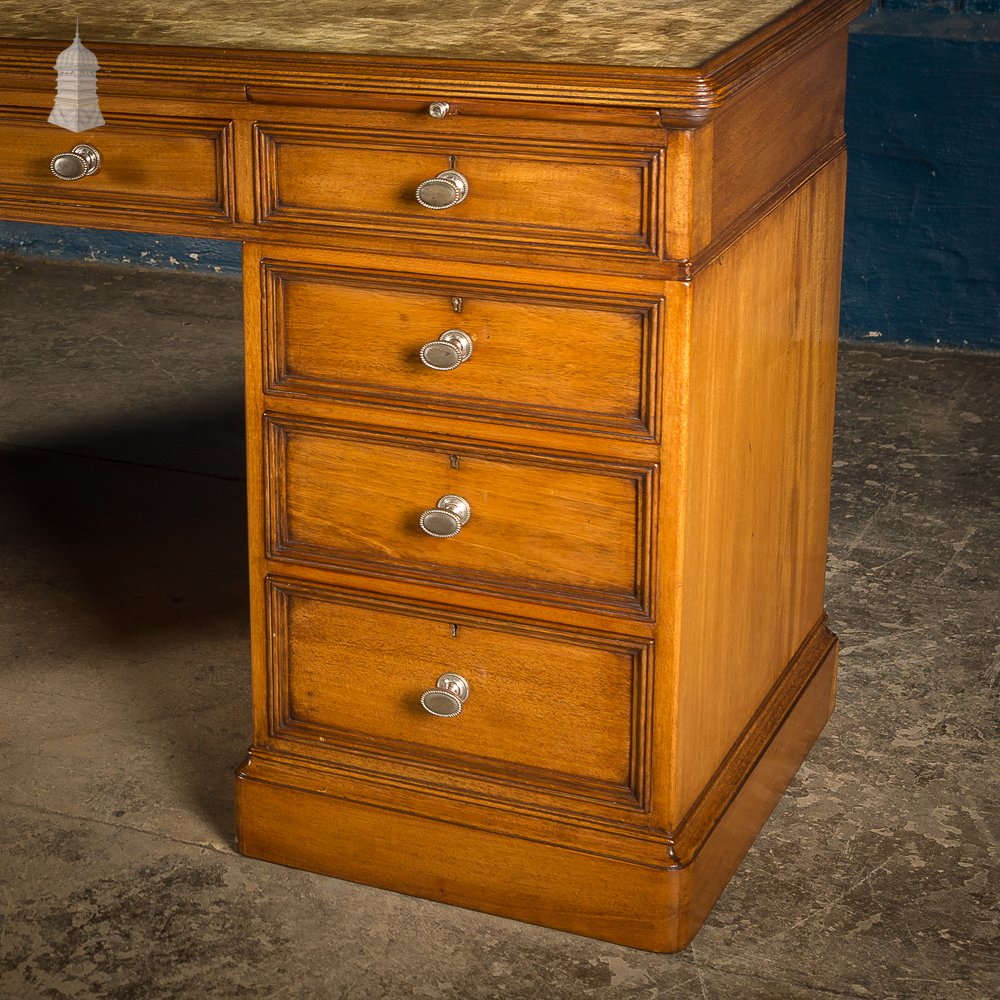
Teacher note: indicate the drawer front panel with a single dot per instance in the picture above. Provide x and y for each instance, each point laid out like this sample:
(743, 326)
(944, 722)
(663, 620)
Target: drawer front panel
(357, 335)
(519, 190)
(149, 164)
(570, 531)
(549, 709)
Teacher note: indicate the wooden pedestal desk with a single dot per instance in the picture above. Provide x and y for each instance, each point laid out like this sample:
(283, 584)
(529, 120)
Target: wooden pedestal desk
(541, 323)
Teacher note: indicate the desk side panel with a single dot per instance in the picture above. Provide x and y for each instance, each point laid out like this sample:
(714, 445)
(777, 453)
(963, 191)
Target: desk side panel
(761, 392)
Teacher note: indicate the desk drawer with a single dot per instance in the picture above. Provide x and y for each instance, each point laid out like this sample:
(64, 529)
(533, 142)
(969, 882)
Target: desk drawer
(551, 709)
(519, 191)
(570, 531)
(582, 359)
(150, 166)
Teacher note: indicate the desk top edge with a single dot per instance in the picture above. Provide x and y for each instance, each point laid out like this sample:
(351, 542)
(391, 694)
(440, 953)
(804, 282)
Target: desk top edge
(644, 35)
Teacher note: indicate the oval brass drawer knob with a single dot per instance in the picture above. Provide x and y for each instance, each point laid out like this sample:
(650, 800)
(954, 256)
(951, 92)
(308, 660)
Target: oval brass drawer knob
(446, 190)
(446, 519)
(81, 161)
(447, 697)
(448, 351)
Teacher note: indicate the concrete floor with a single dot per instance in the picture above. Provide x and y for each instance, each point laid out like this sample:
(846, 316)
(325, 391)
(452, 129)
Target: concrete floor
(124, 700)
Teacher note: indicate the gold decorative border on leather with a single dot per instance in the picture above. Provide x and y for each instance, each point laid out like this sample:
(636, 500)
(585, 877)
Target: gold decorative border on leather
(684, 97)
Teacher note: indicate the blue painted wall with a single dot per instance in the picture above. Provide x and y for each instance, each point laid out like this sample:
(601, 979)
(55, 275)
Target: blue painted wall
(922, 239)
(922, 243)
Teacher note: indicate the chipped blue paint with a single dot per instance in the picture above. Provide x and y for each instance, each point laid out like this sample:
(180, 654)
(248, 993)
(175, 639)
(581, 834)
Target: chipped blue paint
(138, 249)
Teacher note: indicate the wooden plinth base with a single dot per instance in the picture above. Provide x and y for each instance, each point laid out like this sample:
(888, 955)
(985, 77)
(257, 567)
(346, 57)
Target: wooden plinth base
(657, 909)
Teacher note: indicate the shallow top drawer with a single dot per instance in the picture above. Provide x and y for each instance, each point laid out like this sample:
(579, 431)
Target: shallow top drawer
(582, 358)
(149, 165)
(527, 190)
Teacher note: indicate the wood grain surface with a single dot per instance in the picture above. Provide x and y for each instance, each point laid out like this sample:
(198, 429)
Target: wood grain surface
(158, 166)
(544, 709)
(542, 525)
(762, 382)
(340, 333)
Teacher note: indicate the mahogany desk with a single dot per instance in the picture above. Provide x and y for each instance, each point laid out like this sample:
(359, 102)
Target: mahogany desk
(541, 321)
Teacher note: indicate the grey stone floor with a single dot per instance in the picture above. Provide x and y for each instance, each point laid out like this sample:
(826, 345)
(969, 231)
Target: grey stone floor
(124, 704)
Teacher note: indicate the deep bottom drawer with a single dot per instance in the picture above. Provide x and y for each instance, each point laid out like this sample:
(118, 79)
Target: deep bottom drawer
(547, 709)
